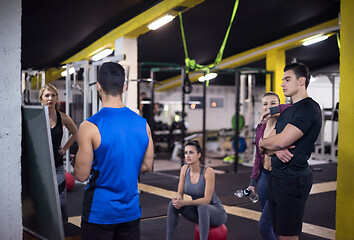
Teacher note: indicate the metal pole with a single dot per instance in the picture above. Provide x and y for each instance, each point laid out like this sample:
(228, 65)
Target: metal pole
(67, 111)
(151, 105)
(253, 112)
(86, 82)
(204, 121)
(138, 90)
(237, 112)
(322, 133)
(183, 113)
(152, 101)
(93, 89)
(333, 137)
(43, 78)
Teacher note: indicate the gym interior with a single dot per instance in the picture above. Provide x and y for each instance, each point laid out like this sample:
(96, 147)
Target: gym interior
(200, 77)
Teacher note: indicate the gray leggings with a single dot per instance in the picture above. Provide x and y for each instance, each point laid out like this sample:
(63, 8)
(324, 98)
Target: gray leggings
(205, 215)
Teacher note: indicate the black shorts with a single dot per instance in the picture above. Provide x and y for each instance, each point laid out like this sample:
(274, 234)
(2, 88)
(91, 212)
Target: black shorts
(120, 231)
(287, 198)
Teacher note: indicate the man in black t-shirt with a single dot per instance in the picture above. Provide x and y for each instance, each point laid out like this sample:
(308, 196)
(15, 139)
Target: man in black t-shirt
(297, 129)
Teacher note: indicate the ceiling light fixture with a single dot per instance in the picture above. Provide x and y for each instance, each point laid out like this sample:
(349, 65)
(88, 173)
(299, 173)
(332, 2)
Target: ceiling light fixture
(71, 71)
(104, 53)
(207, 77)
(314, 39)
(161, 21)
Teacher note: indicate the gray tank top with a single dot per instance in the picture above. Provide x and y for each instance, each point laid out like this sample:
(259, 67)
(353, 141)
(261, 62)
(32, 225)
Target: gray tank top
(197, 190)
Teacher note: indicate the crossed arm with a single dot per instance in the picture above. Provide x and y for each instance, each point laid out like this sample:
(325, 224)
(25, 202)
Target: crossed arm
(280, 143)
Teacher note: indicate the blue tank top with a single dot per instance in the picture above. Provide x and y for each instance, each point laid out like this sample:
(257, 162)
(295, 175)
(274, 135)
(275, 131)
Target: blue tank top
(197, 190)
(112, 194)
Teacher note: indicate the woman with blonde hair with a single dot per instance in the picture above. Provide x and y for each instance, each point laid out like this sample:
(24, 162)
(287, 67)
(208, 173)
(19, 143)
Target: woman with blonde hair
(48, 95)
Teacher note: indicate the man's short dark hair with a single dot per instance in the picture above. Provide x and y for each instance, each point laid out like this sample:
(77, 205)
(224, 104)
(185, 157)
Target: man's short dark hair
(300, 70)
(111, 76)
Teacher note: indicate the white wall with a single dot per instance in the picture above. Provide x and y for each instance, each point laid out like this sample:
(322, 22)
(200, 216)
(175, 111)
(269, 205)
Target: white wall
(216, 118)
(10, 119)
(321, 91)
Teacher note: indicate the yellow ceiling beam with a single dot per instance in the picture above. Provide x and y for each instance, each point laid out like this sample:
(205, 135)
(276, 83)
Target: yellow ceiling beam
(258, 53)
(132, 28)
(51, 75)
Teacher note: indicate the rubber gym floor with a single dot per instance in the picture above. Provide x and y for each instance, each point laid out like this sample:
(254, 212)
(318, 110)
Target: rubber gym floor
(159, 186)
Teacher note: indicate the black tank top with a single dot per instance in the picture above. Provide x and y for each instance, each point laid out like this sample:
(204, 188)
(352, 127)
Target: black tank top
(57, 135)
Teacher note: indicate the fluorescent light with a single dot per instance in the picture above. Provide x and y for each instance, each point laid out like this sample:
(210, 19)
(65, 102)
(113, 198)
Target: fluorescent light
(160, 22)
(207, 77)
(104, 53)
(314, 39)
(71, 71)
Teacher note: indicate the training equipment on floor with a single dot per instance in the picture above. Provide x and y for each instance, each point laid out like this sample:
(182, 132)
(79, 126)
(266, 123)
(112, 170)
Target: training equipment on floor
(70, 181)
(215, 233)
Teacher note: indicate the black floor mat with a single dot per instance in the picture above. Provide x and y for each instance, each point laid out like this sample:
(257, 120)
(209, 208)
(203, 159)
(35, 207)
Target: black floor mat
(74, 200)
(320, 208)
(152, 205)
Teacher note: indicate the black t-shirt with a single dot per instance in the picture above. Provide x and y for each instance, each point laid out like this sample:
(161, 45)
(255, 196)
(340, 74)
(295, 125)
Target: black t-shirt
(306, 116)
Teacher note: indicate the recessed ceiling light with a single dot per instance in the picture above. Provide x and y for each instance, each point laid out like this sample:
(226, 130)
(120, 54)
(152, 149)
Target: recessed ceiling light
(161, 21)
(314, 39)
(104, 53)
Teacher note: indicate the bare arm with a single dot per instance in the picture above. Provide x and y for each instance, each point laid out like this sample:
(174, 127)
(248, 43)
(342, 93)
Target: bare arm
(70, 125)
(282, 140)
(208, 191)
(84, 157)
(180, 190)
(149, 153)
(182, 177)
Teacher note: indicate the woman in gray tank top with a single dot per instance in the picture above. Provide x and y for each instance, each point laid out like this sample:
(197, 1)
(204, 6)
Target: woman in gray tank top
(197, 181)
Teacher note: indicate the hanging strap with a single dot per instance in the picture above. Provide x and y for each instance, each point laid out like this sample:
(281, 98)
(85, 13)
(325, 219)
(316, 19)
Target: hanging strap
(190, 64)
(221, 51)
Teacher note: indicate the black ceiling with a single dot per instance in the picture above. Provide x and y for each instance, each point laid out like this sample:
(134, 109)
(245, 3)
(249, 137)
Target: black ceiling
(53, 31)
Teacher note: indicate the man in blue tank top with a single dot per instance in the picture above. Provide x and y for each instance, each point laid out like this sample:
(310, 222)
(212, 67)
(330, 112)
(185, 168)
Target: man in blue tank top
(297, 129)
(115, 145)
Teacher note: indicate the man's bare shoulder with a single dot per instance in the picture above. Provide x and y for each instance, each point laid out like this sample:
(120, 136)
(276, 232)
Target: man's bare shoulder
(87, 128)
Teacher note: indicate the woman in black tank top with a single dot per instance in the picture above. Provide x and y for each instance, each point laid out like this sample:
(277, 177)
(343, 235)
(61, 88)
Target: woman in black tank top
(48, 95)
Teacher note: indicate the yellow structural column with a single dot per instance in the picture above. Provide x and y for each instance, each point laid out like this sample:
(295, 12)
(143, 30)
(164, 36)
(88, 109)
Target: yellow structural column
(275, 61)
(345, 183)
